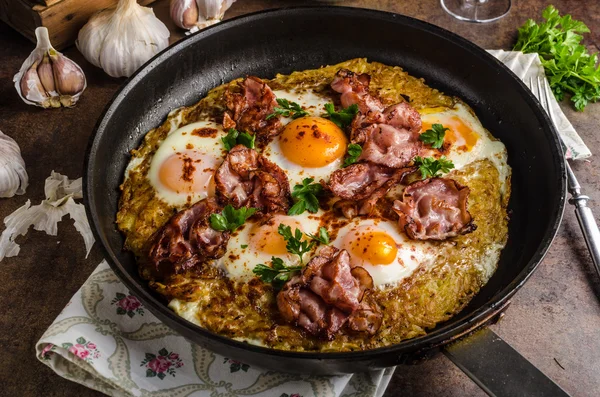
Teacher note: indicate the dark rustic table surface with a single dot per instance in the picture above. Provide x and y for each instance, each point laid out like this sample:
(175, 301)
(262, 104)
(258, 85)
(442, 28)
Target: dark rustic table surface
(554, 320)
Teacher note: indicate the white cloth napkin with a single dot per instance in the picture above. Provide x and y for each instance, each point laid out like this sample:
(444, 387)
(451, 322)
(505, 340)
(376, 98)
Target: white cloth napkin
(106, 340)
(526, 66)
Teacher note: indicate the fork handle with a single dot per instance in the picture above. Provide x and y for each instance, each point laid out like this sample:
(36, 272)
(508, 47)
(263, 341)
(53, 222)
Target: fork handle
(588, 226)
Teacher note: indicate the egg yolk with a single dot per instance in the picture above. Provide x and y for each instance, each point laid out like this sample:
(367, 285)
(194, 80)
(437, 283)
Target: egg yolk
(188, 172)
(265, 238)
(313, 142)
(375, 247)
(458, 133)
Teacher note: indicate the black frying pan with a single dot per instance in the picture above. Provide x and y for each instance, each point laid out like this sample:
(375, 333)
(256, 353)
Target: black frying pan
(285, 40)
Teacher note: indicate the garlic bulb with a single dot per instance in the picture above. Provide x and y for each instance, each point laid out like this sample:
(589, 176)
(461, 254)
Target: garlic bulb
(198, 14)
(47, 77)
(120, 40)
(13, 177)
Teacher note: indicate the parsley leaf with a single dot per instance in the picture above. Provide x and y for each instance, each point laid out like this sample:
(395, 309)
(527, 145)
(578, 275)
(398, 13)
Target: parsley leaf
(354, 152)
(294, 242)
(434, 136)
(306, 197)
(432, 167)
(344, 117)
(287, 109)
(234, 137)
(230, 218)
(570, 68)
(323, 236)
(277, 274)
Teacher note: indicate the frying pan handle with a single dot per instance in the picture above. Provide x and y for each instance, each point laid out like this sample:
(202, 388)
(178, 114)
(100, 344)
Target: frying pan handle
(498, 368)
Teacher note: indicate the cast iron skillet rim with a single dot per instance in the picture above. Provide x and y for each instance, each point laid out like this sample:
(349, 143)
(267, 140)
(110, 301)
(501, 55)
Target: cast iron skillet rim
(433, 338)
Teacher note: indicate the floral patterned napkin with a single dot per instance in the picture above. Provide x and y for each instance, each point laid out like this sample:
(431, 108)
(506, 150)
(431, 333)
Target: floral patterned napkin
(106, 340)
(526, 66)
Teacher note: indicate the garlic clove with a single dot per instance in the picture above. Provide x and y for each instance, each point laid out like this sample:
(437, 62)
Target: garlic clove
(32, 90)
(122, 39)
(68, 78)
(13, 176)
(184, 13)
(45, 73)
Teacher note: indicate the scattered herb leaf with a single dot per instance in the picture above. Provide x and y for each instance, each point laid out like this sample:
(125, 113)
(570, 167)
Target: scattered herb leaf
(278, 274)
(306, 197)
(354, 152)
(287, 109)
(294, 242)
(434, 136)
(322, 237)
(244, 246)
(432, 167)
(234, 137)
(230, 218)
(570, 68)
(344, 117)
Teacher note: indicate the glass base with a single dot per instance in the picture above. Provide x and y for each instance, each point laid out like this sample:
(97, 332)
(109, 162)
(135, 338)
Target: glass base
(479, 11)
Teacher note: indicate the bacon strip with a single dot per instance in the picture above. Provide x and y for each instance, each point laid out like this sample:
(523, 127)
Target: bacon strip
(187, 240)
(355, 90)
(248, 179)
(434, 209)
(328, 294)
(361, 185)
(247, 111)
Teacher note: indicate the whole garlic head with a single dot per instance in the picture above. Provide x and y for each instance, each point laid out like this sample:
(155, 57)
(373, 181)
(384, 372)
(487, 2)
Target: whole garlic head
(120, 40)
(47, 78)
(198, 14)
(13, 176)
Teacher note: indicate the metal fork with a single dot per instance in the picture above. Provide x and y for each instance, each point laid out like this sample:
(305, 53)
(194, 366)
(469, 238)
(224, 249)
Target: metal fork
(589, 227)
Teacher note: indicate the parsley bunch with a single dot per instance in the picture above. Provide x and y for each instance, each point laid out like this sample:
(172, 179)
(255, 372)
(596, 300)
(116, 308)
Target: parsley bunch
(277, 274)
(354, 152)
(344, 117)
(432, 167)
(306, 197)
(434, 136)
(287, 109)
(230, 218)
(568, 65)
(234, 137)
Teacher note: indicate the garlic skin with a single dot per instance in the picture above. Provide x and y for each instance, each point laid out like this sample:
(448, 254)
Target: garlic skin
(198, 14)
(122, 39)
(13, 176)
(47, 78)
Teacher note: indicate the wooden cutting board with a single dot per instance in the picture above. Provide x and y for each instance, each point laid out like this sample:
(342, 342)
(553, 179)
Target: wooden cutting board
(63, 18)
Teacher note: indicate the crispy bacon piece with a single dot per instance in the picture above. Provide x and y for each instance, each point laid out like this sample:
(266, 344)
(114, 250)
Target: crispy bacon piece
(248, 110)
(248, 179)
(355, 90)
(361, 185)
(434, 209)
(327, 295)
(187, 240)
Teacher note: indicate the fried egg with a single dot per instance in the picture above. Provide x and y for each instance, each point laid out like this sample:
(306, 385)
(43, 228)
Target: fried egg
(256, 243)
(308, 147)
(387, 254)
(466, 140)
(182, 168)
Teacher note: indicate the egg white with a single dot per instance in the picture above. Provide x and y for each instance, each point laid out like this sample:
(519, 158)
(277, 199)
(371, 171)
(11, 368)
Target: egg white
(411, 253)
(210, 150)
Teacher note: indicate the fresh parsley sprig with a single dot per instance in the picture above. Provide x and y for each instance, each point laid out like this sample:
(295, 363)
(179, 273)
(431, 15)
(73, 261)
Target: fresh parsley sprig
(322, 237)
(230, 218)
(277, 274)
(354, 152)
(344, 117)
(306, 197)
(434, 136)
(432, 167)
(234, 137)
(295, 243)
(287, 109)
(570, 68)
